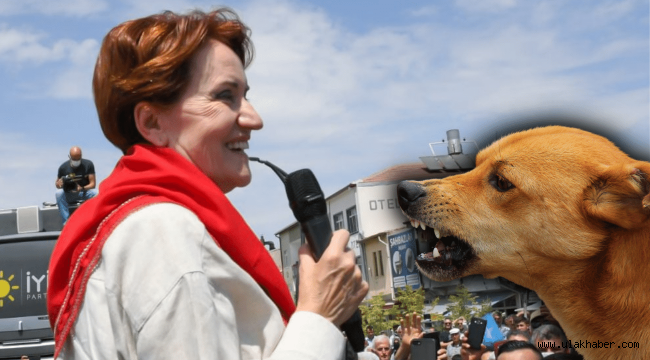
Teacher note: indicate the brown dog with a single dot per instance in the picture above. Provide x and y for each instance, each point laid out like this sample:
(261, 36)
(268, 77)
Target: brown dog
(560, 211)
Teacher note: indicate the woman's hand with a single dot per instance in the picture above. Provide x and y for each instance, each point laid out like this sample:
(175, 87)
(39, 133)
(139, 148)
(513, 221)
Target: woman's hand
(331, 287)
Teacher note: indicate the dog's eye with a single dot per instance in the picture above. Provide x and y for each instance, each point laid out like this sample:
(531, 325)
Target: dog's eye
(500, 183)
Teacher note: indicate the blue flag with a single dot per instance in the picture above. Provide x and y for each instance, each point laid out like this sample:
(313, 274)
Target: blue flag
(492, 332)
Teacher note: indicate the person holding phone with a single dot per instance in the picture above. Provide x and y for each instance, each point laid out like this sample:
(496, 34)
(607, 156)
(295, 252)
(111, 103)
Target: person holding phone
(75, 182)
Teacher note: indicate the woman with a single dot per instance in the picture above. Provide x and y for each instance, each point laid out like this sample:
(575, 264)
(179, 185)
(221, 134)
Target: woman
(160, 265)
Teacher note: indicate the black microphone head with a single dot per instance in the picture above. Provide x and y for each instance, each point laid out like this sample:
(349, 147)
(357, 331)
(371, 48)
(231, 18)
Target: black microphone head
(306, 198)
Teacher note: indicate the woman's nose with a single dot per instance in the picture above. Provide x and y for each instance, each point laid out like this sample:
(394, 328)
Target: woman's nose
(249, 118)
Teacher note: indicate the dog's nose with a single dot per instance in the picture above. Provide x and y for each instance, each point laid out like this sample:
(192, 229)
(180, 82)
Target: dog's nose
(408, 192)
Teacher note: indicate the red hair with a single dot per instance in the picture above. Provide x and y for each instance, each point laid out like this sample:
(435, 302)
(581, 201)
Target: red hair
(149, 59)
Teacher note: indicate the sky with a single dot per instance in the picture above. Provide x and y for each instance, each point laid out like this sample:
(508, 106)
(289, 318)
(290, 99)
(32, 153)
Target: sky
(345, 88)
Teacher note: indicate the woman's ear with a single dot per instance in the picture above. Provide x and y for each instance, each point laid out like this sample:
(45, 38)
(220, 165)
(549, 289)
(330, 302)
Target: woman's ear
(148, 124)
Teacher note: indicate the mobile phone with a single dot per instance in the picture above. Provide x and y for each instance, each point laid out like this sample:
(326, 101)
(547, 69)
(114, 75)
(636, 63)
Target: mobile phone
(424, 349)
(476, 332)
(433, 335)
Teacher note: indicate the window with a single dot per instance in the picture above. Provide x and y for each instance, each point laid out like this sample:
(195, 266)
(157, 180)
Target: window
(285, 255)
(374, 256)
(353, 227)
(338, 221)
(378, 261)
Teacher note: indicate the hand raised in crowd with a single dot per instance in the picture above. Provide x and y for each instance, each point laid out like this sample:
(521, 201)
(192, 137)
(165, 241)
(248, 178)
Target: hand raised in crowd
(411, 329)
(333, 286)
(442, 354)
(468, 353)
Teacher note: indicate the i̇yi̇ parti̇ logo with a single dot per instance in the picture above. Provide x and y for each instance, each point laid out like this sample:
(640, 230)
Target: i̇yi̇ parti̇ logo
(6, 287)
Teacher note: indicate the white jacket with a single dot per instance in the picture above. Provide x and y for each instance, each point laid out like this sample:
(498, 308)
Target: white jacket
(164, 290)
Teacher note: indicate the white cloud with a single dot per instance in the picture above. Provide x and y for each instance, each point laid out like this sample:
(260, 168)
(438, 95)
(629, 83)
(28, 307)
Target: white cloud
(23, 46)
(48, 7)
(139, 8)
(323, 82)
(615, 9)
(309, 74)
(425, 11)
(75, 60)
(20, 46)
(76, 80)
(486, 5)
(11, 39)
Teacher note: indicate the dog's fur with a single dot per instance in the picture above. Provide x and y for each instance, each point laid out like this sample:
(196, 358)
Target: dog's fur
(560, 211)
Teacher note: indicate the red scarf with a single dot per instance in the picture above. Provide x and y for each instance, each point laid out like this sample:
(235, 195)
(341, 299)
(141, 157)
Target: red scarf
(146, 175)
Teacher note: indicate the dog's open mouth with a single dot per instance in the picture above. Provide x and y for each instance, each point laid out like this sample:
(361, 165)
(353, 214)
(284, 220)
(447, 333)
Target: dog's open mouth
(446, 257)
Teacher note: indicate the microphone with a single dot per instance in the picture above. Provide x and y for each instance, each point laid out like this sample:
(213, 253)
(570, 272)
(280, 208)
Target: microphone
(307, 201)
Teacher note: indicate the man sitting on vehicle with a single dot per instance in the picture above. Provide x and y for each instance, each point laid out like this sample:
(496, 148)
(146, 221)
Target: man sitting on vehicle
(75, 182)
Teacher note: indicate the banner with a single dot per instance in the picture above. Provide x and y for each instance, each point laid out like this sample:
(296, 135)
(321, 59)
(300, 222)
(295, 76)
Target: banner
(402, 258)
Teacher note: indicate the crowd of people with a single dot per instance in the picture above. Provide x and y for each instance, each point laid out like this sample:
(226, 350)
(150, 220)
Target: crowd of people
(527, 336)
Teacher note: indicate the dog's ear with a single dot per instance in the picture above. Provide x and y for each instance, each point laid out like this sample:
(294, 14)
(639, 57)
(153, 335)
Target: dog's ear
(620, 195)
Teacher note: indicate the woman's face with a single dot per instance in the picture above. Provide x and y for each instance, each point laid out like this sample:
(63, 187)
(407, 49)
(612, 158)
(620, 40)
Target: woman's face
(212, 122)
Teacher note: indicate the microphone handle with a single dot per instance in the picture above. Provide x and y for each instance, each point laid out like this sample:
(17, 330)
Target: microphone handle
(353, 328)
(318, 233)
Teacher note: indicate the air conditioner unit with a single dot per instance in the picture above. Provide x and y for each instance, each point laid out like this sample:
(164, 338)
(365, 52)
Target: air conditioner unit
(28, 219)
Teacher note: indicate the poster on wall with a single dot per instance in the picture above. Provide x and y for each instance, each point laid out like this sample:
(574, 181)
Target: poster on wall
(402, 259)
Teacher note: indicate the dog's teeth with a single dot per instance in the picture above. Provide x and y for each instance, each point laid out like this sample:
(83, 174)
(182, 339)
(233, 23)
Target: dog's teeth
(412, 222)
(437, 233)
(423, 226)
(436, 253)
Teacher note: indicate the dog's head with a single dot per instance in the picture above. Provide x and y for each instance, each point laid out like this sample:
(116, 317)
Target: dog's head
(552, 193)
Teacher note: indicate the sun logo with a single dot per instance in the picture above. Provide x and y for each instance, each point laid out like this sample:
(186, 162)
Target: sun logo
(6, 287)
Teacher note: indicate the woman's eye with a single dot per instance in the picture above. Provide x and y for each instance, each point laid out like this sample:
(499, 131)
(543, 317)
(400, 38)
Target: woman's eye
(224, 95)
